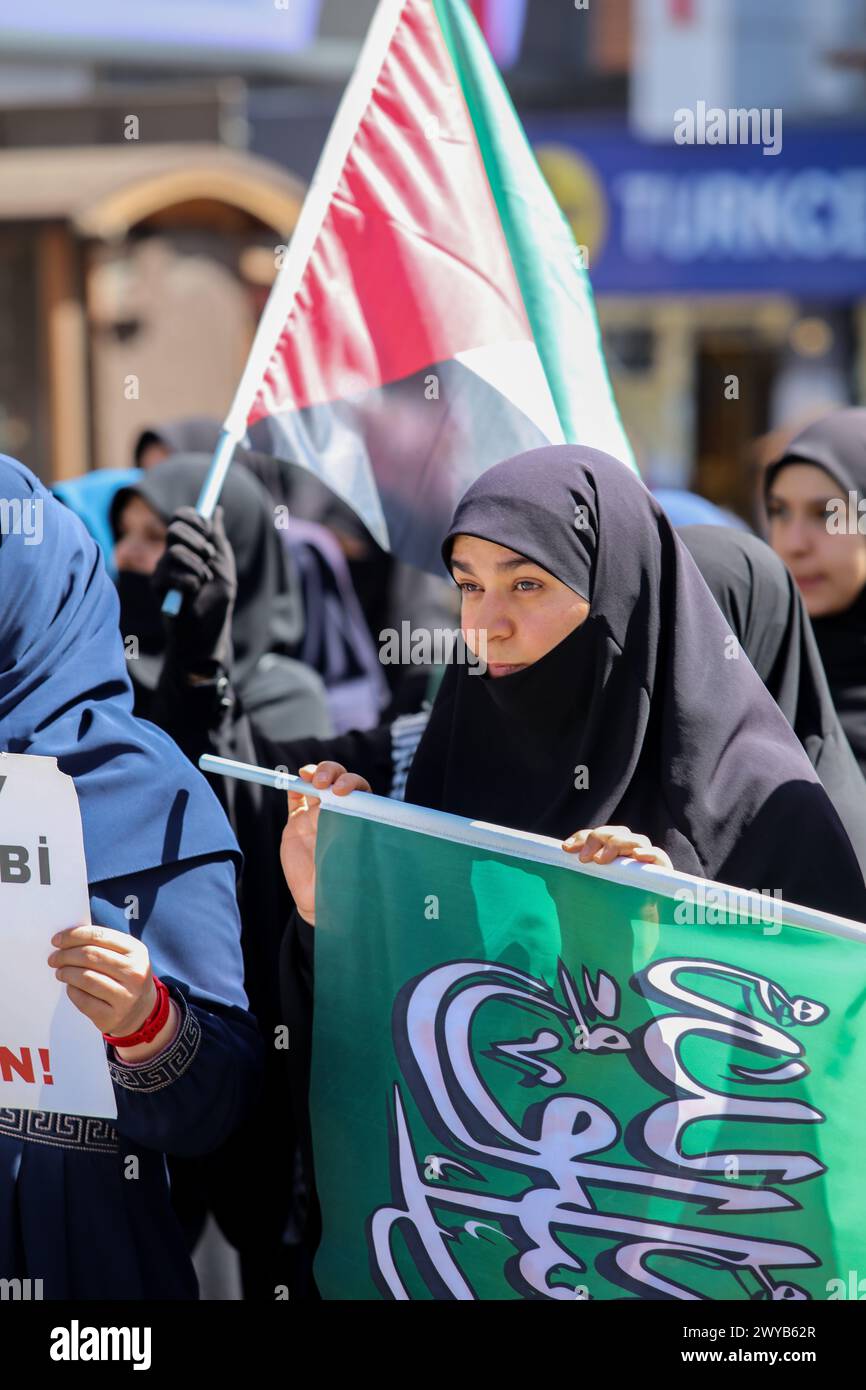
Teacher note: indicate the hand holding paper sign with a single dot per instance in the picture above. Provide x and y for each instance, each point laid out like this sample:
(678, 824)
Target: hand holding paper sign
(109, 979)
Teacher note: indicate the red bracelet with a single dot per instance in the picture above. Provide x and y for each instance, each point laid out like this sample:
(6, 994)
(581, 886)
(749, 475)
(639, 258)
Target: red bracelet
(153, 1024)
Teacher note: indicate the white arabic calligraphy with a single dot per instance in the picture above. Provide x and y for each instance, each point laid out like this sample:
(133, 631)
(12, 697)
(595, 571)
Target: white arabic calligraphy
(434, 1025)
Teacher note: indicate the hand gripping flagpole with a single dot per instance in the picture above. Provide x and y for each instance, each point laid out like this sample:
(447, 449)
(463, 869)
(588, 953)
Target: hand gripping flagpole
(234, 428)
(207, 501)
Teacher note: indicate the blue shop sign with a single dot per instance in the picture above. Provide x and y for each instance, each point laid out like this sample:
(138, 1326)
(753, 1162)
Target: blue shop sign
(667, 217)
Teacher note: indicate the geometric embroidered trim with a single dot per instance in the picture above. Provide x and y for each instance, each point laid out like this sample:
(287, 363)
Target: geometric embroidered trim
(85, 1132)
(90, 1134)
(147, 1077)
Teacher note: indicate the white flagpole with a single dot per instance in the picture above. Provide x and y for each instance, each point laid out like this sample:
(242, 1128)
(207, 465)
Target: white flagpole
(653, 878)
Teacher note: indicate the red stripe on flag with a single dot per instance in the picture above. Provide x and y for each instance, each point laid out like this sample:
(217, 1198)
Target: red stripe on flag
(479, 9)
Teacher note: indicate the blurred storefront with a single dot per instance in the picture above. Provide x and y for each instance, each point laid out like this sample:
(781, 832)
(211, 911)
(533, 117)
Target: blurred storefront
(731, 283)
(132, 277)
(721, 275)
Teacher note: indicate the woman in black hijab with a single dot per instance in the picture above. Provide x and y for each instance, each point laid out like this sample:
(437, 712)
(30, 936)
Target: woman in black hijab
(767, 617)
(815, 496)
(253, 646)
(632, 721)
(218, 678)
(196, 434)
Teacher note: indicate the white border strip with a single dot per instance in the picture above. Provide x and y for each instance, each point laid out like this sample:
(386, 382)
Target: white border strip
(524, 845)
(316, 203)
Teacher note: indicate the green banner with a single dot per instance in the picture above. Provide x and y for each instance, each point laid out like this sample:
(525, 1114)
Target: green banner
(532, 1081)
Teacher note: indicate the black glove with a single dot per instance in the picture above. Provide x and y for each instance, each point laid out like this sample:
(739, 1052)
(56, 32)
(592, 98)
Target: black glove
(199, 561)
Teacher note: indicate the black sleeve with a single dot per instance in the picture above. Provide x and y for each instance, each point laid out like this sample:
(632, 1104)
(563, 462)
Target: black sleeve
(208, 718)
(797, 846)
(198, 717)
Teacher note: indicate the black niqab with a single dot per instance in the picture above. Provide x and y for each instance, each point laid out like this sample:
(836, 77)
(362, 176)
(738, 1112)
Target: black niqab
(268, 614)
(837, 443)
(638, 705)
(766, 613)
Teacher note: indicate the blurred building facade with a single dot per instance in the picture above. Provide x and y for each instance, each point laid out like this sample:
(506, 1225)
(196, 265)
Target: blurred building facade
(723, 273)
(136, 258)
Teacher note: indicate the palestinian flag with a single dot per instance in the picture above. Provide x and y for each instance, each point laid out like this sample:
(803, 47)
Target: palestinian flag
(432, 316)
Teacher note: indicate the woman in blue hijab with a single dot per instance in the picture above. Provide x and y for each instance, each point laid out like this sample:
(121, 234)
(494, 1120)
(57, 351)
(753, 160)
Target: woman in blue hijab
(161, 864)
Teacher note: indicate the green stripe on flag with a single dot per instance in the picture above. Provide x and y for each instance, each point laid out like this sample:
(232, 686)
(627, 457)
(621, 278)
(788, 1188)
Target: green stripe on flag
(554, 283)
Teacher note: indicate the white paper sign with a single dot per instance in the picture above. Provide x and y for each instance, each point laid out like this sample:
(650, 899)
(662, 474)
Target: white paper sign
(51, 1056)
